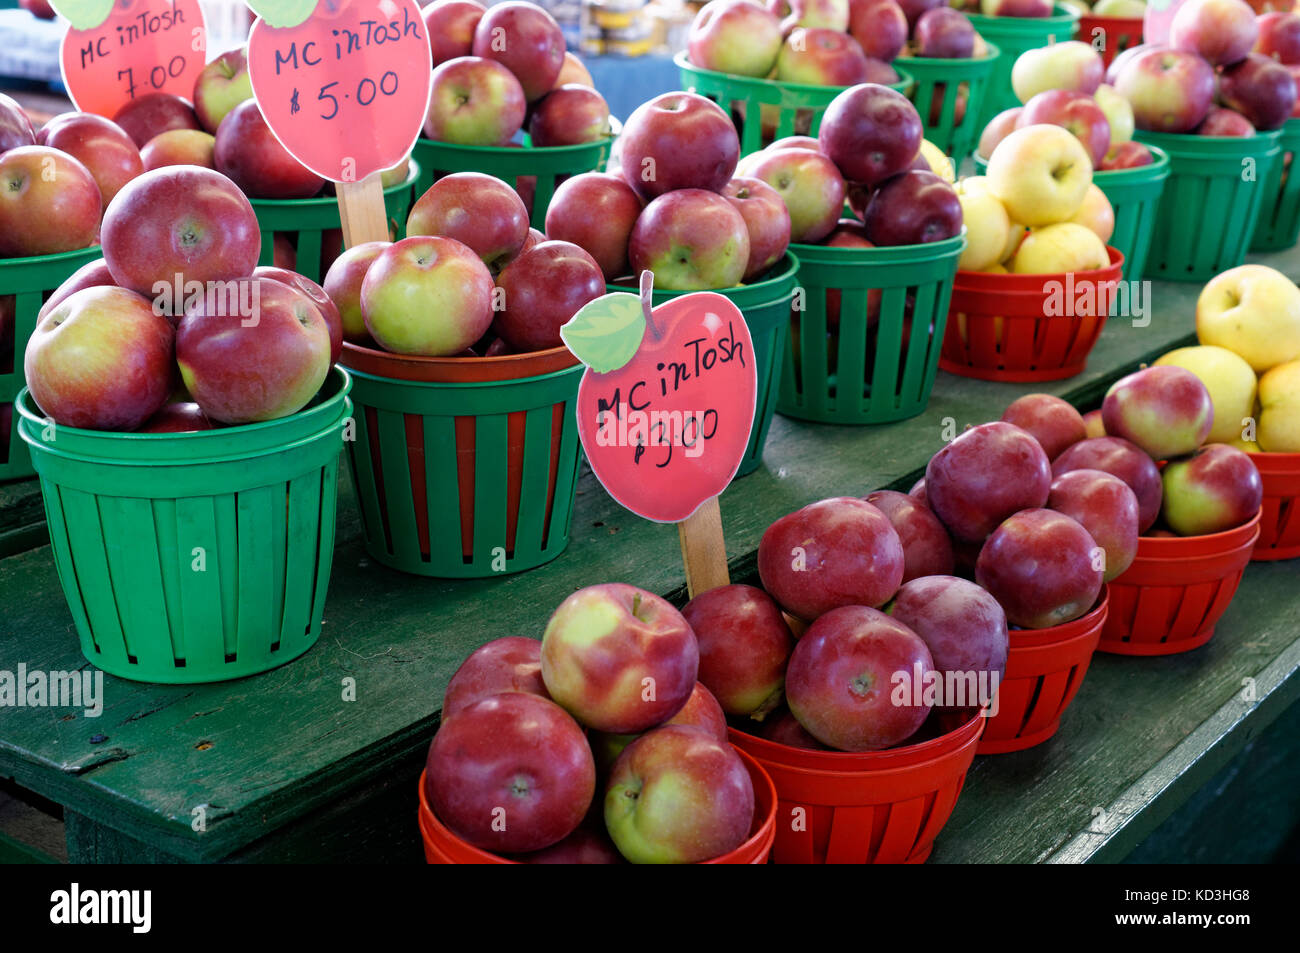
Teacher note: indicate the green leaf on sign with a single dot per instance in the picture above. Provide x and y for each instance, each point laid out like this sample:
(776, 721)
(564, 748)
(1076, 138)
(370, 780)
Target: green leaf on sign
(606, 333)
(84, 14)
(283, 13)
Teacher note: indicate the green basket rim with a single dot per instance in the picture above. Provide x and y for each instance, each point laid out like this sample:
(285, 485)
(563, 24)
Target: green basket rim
(905, 80)
(26, 406)
(882, 254)
(937, 62)
(527, 149)
(789, 270)
(58, 258)
(577, 367)
(1262, 142)
(1061, 16)
(322, 201)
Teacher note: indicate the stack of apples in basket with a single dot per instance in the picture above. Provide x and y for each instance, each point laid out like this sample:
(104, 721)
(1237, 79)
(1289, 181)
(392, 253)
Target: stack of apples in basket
(178, 289)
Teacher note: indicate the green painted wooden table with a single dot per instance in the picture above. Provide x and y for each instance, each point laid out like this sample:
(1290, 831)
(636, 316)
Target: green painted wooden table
(283, 766)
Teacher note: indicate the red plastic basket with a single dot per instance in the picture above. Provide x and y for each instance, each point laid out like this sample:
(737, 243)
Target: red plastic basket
(1120, 34)
(880, 807)
(1004, 327)
(1279, 524)
(1174, 592)
(1045, 668)
(441, 846)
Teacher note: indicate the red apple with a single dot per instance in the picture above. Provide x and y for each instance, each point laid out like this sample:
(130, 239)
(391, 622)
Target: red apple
(1216, 488)
(675, 795)
(1222, 31)
(845, 672)
(998, 128)
(911, 209)
(1118, 457)
(247, 151)
(343, 284)
(569, 116)
(1261, 89)
(474, 102)
(692, 240)
(701, 712)
(574, 72)
(94, 274)
(736, 37)
(943, 33)
(525, 39)
(1077, 112)
(1165, 410)
(679, 141)
(596, 212)
(146, 116)
(101, 360)
(478, 210)
(1170, 91)
(914, 9)
(871, 133)
(784, 729)
(983, 476)
(179, 223)
(179, 147)
(40, 9)
(450, 25)
(101, 146)
(620, 659)
(744, 645)
(879, 26)
(1220, 121)
(1279, 36)
(510, 773)
(589, 844)
(329, 311)
(809, 184)
(1053, 422)
(183, 417)
(15, 127)
(542, 289)
(49, 203)
(927, 549)
(427, 296)
(1128, 155)
(767, 219)
(510, 664)
(1104, 506)
(821, 57)
(1124, 56)
(836, 552)
(964, 628)
(259, 352)
(221, 86)
(1043, 567)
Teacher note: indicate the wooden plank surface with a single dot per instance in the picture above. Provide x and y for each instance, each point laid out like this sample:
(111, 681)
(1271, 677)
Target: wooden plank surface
(259, 753)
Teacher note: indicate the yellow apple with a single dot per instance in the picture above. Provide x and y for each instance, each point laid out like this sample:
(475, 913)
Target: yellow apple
(1246, 446)
(1041, 173)
(1096, 214)
(1057, 249)
(1229, 380)
(1253, 311)
(939, 162)
(1119, 113)
(1279, 400)
(988, 228)
(1072, 65)
(1014, 238)
(997, 268)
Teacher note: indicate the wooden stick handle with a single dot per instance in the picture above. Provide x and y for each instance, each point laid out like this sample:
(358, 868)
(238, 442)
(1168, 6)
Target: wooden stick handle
(704, 550)
(361, 206)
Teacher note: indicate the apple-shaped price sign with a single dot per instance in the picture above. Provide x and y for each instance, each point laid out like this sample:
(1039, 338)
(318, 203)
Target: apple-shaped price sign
(665, 409)
(343, 84)
(118, 50)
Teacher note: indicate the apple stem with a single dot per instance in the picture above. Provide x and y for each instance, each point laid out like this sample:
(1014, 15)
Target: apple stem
(647, 301)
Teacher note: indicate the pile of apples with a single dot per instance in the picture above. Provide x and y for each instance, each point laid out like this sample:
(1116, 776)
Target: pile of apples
(1224, 72)
(497, 69)
(595, 745)
(1062, 85)
(1036, 209)
(1248, 326)
(1007, 8)
(178, 299)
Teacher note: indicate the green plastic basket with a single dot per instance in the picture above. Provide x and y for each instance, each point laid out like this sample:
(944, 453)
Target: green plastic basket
(30, 281)
(194, 557)
(766, 306)
(548, 166)
(937, 84)
(307, 221)
(865, 372)
(1279, 215)
(1134, 196)
(798, 107)
(1211, 202)
(464, 479)
(1013, 36)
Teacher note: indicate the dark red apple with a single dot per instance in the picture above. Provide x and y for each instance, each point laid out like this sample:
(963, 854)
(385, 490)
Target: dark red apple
(478, 210)
(1260, 88)
(15, 126)
(101, 146)
(451, 26)
(784, 729)
(1074, 111)
(1104, 506)
(542, 290)
(49, 203)
(1220, 121)
(1043, 567)
(1118, 457)
(927, 549)
(944, 33)
(510, 664)
(871, 132)
(329, 311)
(744, 643)
(1279, 36)
(183, 417)
(524, 38)
(879, 26)
(569, 116)
(596, 212)
(1053, 422)
(343, 284)
(146, 116)
(767, 219)
(911, 209)
(93, 274)
(679, 141)
(247, 151)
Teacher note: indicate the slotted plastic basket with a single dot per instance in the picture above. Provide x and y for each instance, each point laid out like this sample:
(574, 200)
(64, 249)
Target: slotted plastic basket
(949, 95)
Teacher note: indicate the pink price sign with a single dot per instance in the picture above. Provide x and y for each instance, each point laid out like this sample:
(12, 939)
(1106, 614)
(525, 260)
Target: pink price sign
(666, 405)
(346, 90)
(114, 54)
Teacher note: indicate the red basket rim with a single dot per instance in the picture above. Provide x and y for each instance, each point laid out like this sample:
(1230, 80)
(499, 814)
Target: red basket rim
(1033, 284)
(455, 370)
(1176, 548)
(754, 849)
(839, 763)
(1117, 22)
(1276, 462)
(1034, 638)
